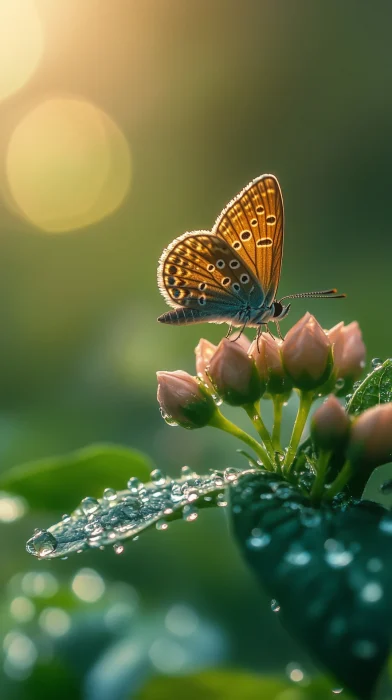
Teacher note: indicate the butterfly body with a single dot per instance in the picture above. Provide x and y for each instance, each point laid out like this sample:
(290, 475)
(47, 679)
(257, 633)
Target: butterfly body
(231, 273)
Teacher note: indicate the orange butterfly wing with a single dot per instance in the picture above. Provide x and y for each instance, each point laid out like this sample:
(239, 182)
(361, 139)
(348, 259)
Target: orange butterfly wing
(253, 224)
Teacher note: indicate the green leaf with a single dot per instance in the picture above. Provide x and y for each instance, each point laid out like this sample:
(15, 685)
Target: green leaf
(376, 388)
(231, 685)
(122, 515)
(57, 483)
(329, 568)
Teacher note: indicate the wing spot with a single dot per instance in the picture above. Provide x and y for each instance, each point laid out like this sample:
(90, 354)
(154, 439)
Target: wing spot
(234, 264)
(202, 286)
(260, 209)
(270, 190)
(236, 287)
(253, 222)
(171, 280)
(202, 300)
(176, 293)
(220, 264)
(210, 268)
(236, 245)
(264, 242)
(226, 281)
(245, 235)
(271, 219)
(244, 279)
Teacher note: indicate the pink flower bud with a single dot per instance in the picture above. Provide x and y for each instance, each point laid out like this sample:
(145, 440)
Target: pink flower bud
(234, 374)
(330, 425)
(204, 352)
(371, 437)
(182, 400)
(307, 354)
(267, 356)
(348, 350)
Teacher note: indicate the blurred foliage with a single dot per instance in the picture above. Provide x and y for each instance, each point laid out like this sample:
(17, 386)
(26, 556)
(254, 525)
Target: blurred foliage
(60, 483)
(208, 96)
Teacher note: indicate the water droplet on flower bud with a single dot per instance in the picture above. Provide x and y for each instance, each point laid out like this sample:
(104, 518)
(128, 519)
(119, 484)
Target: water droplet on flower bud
(221, 500)
(337, 691)
(118, 548)
(376, 362)
(186, 471)
(189, 513)
(339, 384)
(110, 494)
(275, 607)
(42, 544)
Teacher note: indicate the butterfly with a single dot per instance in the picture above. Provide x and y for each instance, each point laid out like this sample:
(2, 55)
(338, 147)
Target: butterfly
(231, 273)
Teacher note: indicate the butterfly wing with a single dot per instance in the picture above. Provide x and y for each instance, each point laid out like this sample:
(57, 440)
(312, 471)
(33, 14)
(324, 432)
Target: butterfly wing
(252, 224)
(202, 277)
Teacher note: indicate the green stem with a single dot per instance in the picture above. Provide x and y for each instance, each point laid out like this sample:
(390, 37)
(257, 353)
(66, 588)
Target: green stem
(258, 423)
(340, 482)
(278, 405)
(305, 402)
(219, 421)
(318, 485)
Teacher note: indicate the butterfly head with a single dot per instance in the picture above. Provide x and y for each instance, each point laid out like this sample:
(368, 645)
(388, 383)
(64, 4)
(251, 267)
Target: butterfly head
(279, 310)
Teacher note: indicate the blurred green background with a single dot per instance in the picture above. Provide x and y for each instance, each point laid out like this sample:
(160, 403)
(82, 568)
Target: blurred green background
(122, 125)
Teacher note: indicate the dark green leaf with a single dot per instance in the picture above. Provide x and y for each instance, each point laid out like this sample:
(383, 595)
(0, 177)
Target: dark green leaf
(330, 570)
(58, 483)
(231, 685)
(375, 388)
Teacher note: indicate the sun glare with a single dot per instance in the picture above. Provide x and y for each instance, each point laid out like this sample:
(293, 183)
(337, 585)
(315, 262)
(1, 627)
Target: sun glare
(21, 44)
(68, 165)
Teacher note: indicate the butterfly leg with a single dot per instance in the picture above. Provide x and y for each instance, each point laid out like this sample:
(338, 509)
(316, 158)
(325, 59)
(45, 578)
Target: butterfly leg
(259, 331)
(279, 331)
(241, 332)
(229, 332)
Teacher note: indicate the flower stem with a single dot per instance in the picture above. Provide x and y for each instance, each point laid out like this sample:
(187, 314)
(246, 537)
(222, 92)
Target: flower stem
(318, 485)
(305, 402)
(219, 421)
(340, 482)
(258, 423)
(278, 405)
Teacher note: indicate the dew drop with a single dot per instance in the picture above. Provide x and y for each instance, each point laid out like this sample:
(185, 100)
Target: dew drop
(339, 384)
(298, 556)
(186, 472)
(161, 525)
(221, 500)
(157, 477)
(89, 505)
(336, 555)
(43, 543)
(310, 517)
(372, 592)
(258, 539)
(376, 362)
(134, 484)
(118, 548)
(275, 607)
(231, 474)
(110, 494)
(386, 487)
(190, 513)
(348, 398)
(337, 691)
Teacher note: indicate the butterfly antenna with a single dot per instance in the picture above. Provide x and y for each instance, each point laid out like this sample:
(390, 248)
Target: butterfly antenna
(325, 294)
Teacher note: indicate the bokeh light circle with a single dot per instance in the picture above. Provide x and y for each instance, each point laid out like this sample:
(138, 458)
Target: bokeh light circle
(21, 44)
(68, 165)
